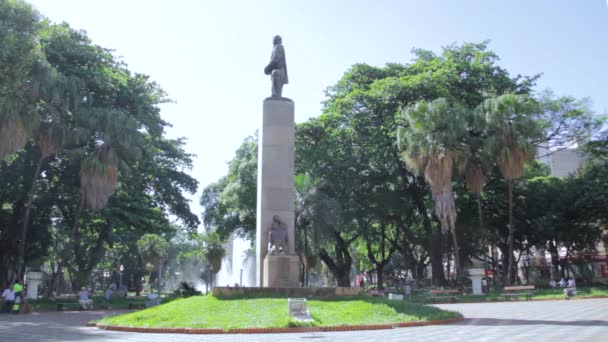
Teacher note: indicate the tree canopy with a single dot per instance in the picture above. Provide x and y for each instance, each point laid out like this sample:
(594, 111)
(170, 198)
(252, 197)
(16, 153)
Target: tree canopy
(87, 165)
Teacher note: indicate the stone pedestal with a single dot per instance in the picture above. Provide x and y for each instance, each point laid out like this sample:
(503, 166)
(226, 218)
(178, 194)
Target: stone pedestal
(34, 280)
(476, 275)
(281, 270)
(276, 189)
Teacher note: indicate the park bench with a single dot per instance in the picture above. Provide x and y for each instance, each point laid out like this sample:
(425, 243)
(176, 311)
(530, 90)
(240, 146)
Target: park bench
(133, 305)
(516, 291)
(443, 295)
(66, 302)
(374, 292)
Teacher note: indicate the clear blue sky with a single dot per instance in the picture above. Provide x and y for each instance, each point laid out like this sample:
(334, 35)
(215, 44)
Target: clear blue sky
(209, 55)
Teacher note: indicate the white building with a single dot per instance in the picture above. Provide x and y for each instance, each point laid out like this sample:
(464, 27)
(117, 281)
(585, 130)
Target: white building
(562, 162)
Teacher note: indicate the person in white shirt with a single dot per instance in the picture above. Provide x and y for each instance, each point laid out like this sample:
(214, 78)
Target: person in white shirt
(570, 290)
(571, 282)
(8, 297)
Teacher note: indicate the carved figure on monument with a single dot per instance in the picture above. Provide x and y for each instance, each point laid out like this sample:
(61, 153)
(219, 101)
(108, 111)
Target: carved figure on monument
(278, 236)
(277, 68)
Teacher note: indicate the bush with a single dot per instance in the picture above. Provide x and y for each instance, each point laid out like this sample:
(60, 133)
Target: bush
(186, 289)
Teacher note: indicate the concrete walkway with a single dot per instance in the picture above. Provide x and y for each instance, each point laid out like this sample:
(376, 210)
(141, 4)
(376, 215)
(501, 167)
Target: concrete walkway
(576, 320)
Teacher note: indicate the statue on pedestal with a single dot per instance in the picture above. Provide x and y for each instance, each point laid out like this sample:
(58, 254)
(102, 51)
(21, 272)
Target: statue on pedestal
(277, 68)
(278, 236)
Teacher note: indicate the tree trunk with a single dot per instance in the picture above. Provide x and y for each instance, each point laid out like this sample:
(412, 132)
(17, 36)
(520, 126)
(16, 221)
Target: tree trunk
(77, 218)
(341, 272)
(26, 220)
(86, 260)
(484, 241)
(554, 257)
(434, 238)
(9, 244)
(340, 268)
(448, 262)
(494, 264)
(306, 267)
(480, 212)
(380, 275)
(457, 263)
(160, 276)
(511, 233)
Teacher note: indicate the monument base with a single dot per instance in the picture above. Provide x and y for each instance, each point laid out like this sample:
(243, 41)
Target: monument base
(286, 292)
(281, 270)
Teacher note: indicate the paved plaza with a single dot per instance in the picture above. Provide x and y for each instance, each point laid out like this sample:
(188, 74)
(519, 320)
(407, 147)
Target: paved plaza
(576, 320)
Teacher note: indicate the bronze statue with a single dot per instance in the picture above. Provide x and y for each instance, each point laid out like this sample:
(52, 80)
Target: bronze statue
(277, 68)
(278, 236)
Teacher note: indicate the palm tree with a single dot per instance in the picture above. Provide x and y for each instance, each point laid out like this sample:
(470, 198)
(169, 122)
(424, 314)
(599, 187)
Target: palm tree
(478, 161)
(154, 249)
(510, 129)
(213, 253)
(58, 99)
(432, 144)
(49, 142)
(118, 141)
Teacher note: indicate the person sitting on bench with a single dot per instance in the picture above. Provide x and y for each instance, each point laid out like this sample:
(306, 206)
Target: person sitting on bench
(83, 299)
(570, 289)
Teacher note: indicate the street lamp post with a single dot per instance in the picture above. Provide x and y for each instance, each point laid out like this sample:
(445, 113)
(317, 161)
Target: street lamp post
(121, 268)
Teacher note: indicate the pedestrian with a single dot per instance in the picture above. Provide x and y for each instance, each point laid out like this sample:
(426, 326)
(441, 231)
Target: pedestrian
(18, 291)
(107, 295)
(8, 299)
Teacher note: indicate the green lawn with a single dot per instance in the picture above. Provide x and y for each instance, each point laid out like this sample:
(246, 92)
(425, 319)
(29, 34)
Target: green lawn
(211, 312)
(543, 293)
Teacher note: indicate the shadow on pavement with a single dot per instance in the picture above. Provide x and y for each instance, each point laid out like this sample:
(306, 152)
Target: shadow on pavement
(499, 322)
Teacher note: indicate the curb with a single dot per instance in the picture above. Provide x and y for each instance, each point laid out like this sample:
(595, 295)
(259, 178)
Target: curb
(513, 300)
(276, 330)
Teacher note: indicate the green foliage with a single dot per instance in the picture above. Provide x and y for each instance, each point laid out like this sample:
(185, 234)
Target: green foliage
(512, 128)
(230, 204)
(22, 70)
(186, 290)
(357, 198)
(213, 250)
(152, 248)
(100, 141)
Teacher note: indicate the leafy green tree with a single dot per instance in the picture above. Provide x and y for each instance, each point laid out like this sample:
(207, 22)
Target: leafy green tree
(230, 204)
(100, 145)
(22, 70)
(565, 121)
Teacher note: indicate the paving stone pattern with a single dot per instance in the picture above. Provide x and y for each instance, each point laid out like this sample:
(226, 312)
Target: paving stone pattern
(576, 320)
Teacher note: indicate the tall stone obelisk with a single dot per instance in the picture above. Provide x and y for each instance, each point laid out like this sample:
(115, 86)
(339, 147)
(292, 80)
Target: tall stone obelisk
(278, 267)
